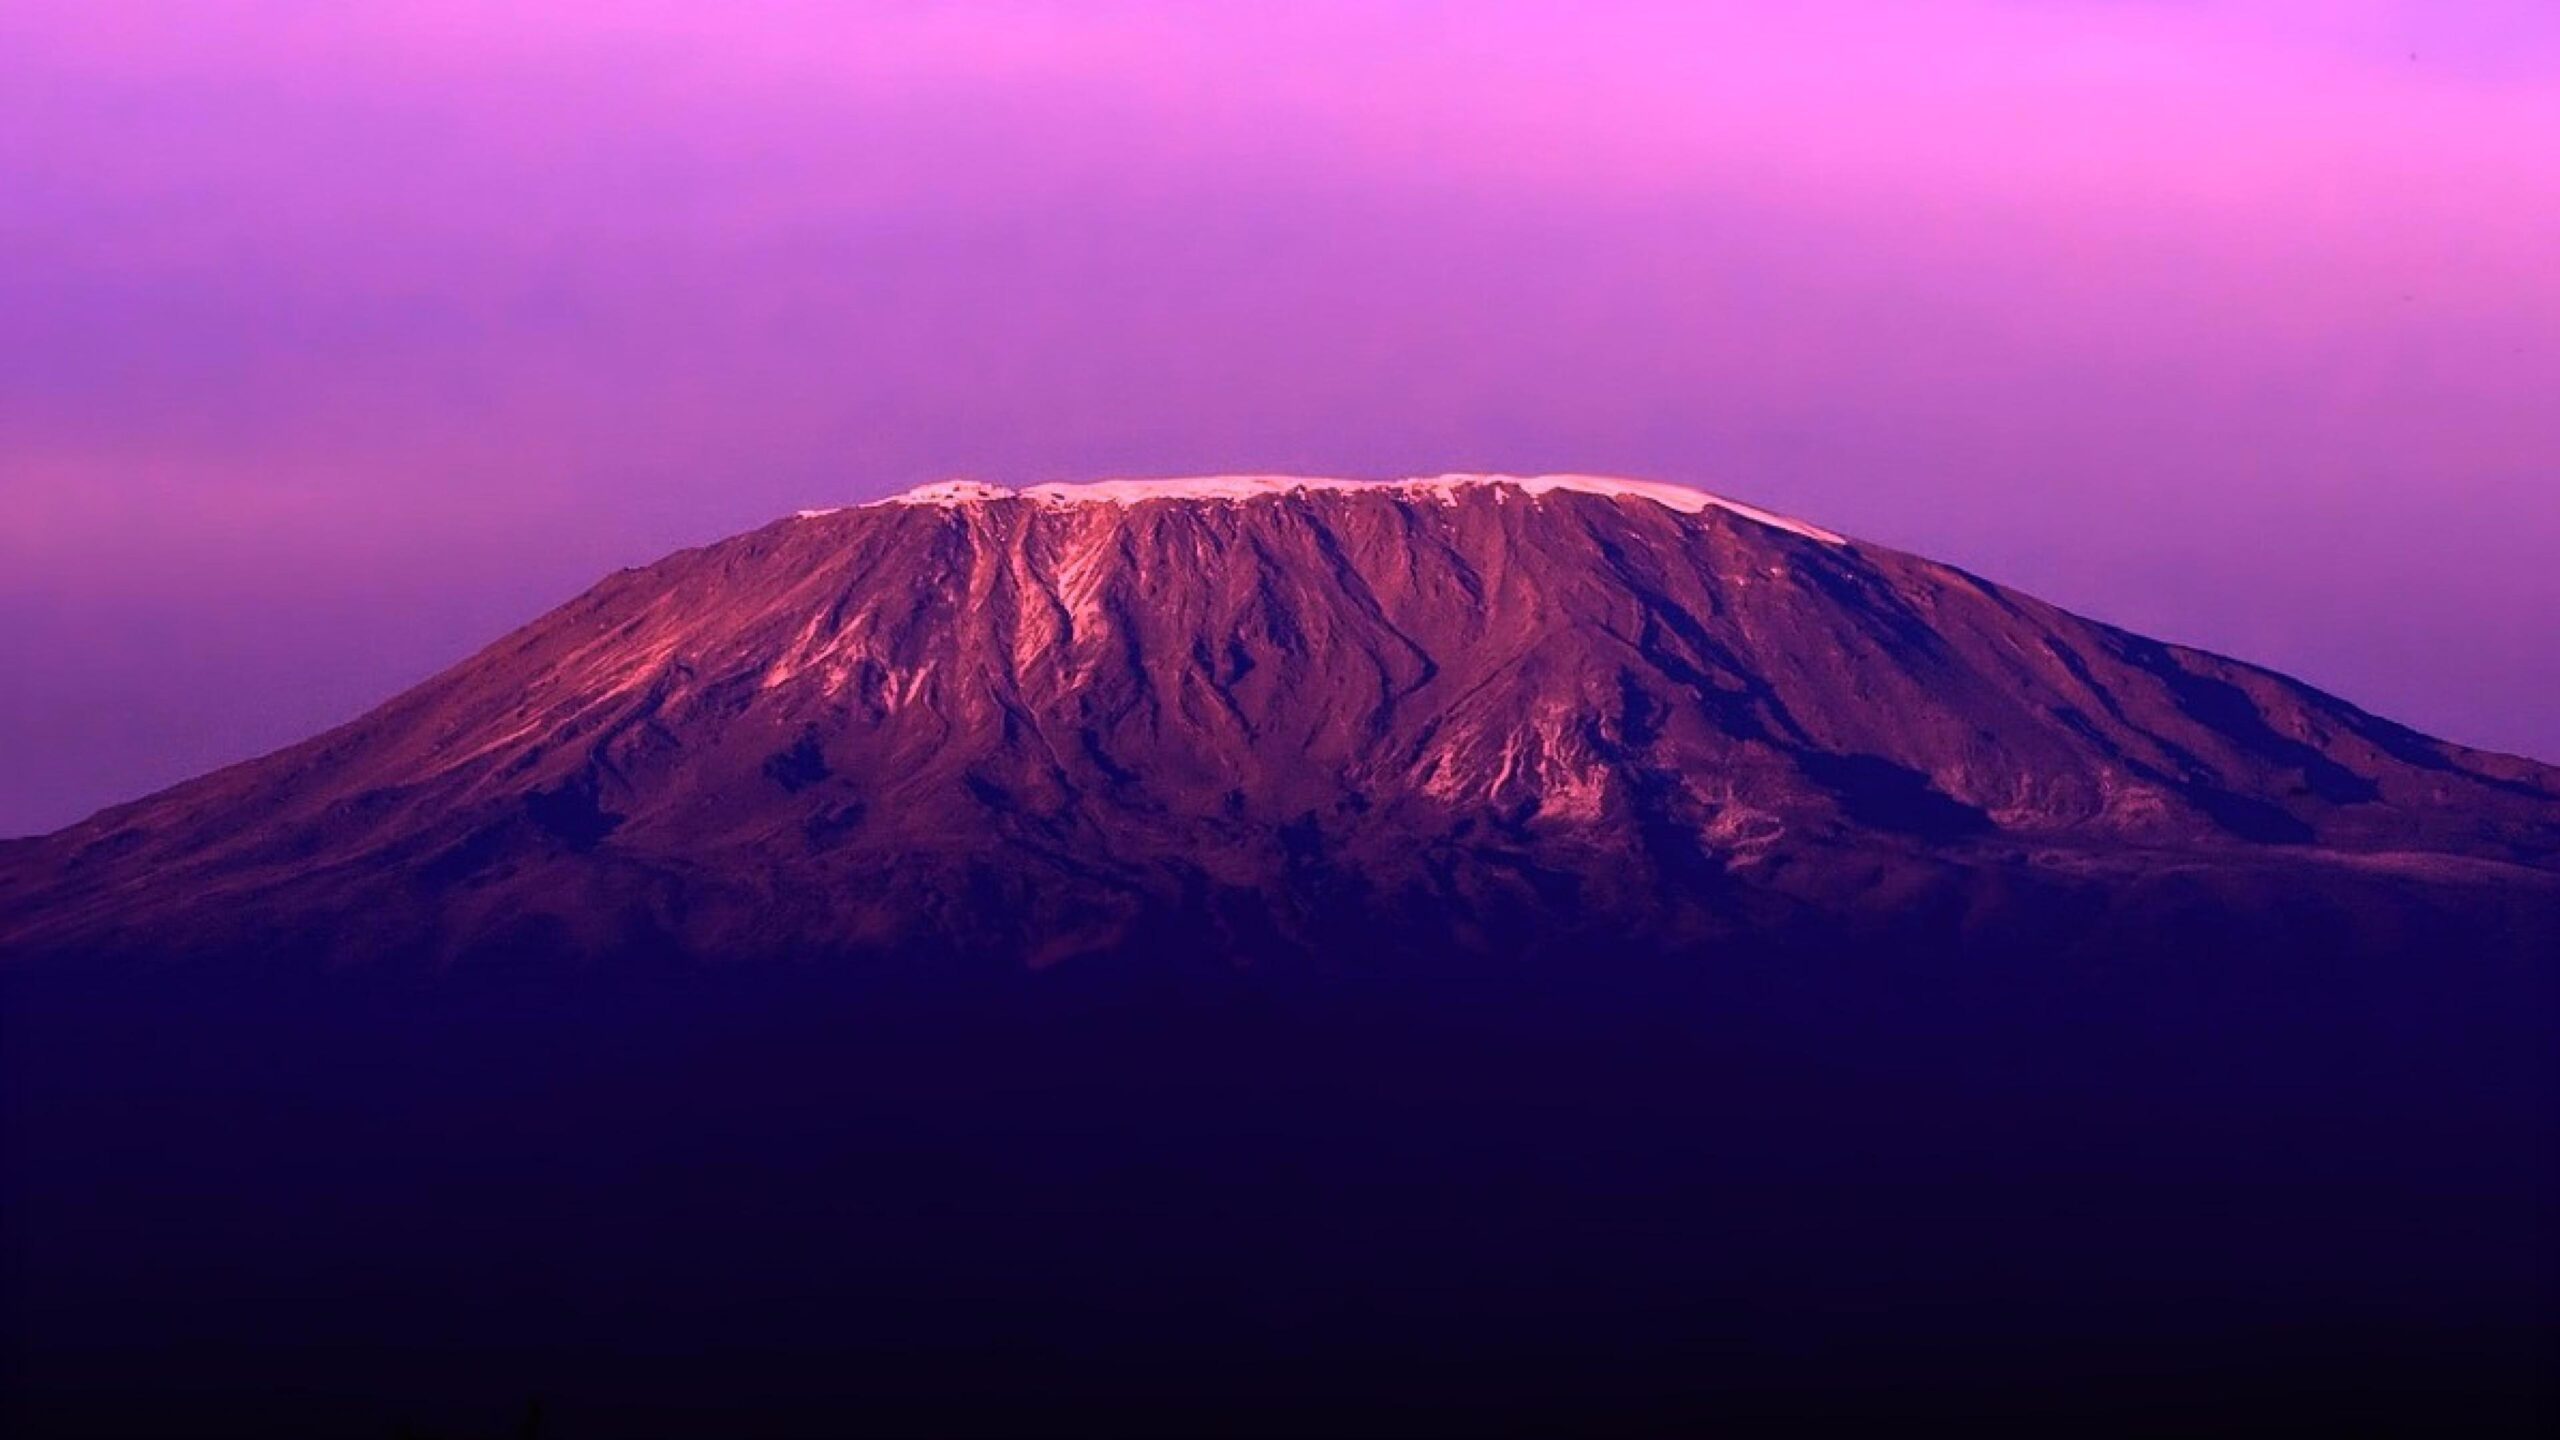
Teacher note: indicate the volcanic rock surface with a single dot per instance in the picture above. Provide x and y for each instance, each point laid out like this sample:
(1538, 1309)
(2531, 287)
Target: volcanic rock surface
(1268, 716)
(1256, 956)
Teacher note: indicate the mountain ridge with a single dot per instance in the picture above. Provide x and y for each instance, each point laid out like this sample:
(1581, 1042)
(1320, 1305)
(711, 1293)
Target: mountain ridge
(1446, 961)
(1594, 698)
(1442, 489)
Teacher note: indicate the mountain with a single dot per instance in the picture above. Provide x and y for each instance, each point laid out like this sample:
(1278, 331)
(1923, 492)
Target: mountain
(1259, 956)
(1267, 713)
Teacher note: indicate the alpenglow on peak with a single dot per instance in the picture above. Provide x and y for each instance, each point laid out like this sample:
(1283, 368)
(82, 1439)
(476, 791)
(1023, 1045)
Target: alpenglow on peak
(1238, 488)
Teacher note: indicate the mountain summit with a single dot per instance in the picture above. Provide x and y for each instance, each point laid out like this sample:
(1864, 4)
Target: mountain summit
(1273, 715)
(1256, 956)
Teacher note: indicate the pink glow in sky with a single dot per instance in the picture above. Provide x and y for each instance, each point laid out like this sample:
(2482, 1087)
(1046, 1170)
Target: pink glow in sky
(335, 339)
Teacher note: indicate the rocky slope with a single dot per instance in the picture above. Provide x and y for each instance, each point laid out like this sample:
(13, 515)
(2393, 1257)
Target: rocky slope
(1263, 957)
(1265, 714)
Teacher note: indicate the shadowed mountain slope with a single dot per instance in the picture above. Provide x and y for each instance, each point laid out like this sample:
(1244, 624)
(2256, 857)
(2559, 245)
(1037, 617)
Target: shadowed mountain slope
(1263, 957)
(1262, 711)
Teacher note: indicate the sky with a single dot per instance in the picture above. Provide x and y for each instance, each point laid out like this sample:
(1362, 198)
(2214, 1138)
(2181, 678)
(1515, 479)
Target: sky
(336, 340)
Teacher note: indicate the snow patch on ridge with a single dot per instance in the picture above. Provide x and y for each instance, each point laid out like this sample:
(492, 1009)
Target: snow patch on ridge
(1444, 488)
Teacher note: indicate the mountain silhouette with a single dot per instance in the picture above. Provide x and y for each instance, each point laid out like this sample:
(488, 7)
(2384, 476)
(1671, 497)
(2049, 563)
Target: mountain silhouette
(1263, 956)
(1265, 714)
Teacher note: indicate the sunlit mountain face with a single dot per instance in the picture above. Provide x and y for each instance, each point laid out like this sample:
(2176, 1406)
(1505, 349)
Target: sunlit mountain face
(1257, 954)
(1270, 715)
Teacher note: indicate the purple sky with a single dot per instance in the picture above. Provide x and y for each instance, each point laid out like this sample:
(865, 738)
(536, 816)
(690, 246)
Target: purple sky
(336, 339)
